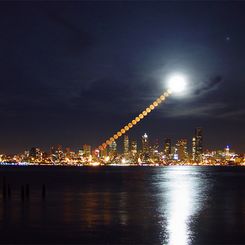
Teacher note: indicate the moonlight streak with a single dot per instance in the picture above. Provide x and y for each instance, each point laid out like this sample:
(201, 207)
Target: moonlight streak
(136, 120)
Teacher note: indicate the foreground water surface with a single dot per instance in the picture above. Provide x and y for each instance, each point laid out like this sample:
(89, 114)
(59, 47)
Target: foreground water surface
(124, 205)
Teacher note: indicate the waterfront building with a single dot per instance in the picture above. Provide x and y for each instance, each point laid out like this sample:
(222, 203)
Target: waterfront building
(227, 152)
(199, 141)
(182, 149)
(145, 156)
(167, 148)
(193, 148)
(134, 147)
(86, 150)
(103, 153)
(126, 144)
(197, 144)
(80, 154)
(60, 153)
(113, 149)
(35, 154)
(145, 143)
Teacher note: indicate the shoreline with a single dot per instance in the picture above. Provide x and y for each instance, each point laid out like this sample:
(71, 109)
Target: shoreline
(116, 165)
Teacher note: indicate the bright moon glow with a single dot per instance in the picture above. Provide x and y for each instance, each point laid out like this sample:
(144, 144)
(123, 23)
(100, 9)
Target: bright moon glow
(177, 83)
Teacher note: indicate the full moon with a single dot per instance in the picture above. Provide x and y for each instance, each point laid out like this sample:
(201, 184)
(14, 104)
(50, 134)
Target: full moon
(177, 83)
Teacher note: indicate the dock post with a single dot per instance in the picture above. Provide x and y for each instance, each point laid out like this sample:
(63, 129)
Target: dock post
(43, 191)
(27, 191)
(22, 193)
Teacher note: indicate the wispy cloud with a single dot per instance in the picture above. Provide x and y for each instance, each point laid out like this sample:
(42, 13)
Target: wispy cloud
(219, 110)
(234, 114)
(189, 110)
(209, 85)
(199, 89)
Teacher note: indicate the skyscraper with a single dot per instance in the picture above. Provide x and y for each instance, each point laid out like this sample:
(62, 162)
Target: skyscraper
(54, 153)
(113, 149)
(198, 143)
(193, 148)
(227, 152)
(134, 147)
(167, 148)
(182, 149)
(60, 153)
(145, 143)
(125, 144)
(87, 150)
(155, 146)
(103, 153)
(35, 154)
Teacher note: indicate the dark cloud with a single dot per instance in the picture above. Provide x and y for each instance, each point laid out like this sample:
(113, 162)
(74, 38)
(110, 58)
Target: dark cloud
(115, 95)
(81, 38)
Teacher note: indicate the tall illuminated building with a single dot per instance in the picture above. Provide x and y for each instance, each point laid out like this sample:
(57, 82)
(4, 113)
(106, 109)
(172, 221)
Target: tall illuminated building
(86, 150)
(198, 144)
(167, 148)
(80, 154)
(155, 147)
(182, 149)
(193, 148)
(96, 153)
(227, 152)
(114, 146)
(174, 152)
(53, 154)
(60, 153)
(113, 149)
(67, 153)
(134, 147)
(145, 143)
(35, 154)
(72, 155)
(26, 154)
(145, 156)
(103, 153)
(154, 151)
(125, 144)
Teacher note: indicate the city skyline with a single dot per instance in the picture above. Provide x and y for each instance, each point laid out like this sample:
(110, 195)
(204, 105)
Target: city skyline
(131, 137)
(133, 152)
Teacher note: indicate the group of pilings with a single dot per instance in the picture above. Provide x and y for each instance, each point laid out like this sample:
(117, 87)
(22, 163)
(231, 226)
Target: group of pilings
(24, 191)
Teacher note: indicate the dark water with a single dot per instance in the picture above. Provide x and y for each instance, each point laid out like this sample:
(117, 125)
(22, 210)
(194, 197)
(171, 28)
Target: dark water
(120, 205)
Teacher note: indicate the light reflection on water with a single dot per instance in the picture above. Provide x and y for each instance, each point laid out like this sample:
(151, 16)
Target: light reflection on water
(184, 198)
(180, 211)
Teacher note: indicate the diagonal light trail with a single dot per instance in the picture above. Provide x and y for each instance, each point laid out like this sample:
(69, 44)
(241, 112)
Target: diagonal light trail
(137, 119)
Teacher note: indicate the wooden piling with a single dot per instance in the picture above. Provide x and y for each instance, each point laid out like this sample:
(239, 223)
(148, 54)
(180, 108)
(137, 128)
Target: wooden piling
(9, 191)
(22, 193)
(27, 191)
(4, 188)
(43, 191)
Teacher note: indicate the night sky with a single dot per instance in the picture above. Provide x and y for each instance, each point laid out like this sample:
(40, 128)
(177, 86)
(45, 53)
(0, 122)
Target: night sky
(74, 73)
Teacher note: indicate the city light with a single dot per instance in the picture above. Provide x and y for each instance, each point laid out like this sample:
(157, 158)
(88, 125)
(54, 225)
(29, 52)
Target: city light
(147, 153)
